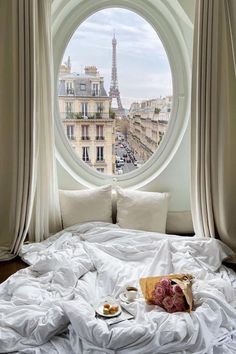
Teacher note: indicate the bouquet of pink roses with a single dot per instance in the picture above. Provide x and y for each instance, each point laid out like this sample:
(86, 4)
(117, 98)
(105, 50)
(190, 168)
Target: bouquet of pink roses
(172, 292)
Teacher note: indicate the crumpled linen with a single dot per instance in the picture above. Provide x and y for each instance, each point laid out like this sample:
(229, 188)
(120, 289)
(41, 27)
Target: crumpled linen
(49, 307)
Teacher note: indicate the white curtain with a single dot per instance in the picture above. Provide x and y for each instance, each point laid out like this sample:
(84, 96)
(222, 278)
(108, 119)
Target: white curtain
(213, 122)
(29, 185)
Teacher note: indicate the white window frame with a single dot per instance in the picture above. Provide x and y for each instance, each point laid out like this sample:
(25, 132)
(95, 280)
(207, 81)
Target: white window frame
(99, 131)
(95, 89)
(85, 153)
(167, 26)
(85, 132)
(69, 107)
(100, 153)
(70, 131)
(99, 107)
(84, 109)
(69, 86)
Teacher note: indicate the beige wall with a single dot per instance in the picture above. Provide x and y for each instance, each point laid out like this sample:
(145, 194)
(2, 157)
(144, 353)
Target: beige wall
(92, 143)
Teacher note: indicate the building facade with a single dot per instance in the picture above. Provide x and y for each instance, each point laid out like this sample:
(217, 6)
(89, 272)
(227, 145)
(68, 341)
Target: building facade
(148, 122)
(85, 113)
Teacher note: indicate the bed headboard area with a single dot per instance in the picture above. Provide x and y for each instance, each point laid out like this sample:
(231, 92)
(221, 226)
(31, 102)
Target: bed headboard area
(129, 209)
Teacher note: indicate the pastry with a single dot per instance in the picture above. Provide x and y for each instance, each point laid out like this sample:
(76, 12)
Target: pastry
(113, 309)
(110, 309)
(106, 311)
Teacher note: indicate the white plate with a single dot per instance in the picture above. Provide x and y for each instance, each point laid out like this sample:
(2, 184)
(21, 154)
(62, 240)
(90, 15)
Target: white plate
(99, 311)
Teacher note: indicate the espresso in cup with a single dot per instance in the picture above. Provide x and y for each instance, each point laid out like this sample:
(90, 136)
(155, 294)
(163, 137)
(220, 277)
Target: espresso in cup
(131, 293)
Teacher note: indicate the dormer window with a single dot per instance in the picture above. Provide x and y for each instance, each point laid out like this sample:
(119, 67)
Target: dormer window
(95, 89)
(70, 88)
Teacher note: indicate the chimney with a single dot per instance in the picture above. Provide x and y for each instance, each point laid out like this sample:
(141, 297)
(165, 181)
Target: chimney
(91, 70)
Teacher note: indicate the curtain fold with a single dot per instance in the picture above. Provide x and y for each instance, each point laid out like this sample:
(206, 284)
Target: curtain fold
(213, 123)
(30, 172)
(46, 217)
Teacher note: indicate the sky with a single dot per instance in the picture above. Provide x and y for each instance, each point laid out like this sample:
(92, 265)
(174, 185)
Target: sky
(142, 65)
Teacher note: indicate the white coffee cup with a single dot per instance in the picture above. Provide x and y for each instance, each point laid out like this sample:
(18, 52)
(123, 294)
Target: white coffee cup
(131, 292)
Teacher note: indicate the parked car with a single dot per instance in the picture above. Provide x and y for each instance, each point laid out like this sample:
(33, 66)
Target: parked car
(128, 160)
(124, 154)
(121, 145)
(135, 163)
(119, 171)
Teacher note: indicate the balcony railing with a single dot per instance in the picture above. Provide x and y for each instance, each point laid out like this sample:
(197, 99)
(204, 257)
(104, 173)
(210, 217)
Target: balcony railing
(70, 91)
(100, 138)
(85, 138)
(96, 93)
(86, 115)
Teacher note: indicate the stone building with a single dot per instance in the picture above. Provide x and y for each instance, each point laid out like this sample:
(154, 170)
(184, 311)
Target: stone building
(148, 122)
(85, 113)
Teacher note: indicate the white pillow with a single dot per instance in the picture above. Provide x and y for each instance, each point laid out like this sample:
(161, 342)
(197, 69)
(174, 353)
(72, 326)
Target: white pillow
(142, 210)
(78, 206)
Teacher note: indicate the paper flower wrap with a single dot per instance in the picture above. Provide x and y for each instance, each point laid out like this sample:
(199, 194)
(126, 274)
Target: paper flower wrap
(172, 292)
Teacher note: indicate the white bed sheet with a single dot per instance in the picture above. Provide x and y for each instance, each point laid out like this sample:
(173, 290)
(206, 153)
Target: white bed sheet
(49, 307)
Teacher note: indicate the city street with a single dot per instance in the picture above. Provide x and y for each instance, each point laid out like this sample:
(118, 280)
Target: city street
(120, 151)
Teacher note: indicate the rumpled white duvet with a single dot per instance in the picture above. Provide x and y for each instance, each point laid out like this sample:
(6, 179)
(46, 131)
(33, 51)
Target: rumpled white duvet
(49, 307)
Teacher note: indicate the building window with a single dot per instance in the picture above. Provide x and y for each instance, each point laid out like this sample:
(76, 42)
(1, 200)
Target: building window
(95, 89)
(100, 150)
(99, 107)
(99, 110)
(85, 153)
(69, 88)
(70, 129)
(82, 87)
(69, 109)
(99, 132)
(84, 132)
(84, 107)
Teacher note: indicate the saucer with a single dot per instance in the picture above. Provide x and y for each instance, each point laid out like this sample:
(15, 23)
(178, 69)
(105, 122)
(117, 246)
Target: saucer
(124, 298)
(99, 311)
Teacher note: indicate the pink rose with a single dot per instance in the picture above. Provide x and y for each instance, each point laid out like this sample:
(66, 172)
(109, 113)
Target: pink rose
(156, 300)
(177, 289)
(172, 309)
(168, 303)
(159, 292)
(166, 283)
(179, 308)
(179, 302)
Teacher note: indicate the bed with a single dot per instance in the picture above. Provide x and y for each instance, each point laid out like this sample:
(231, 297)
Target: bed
(49, 307)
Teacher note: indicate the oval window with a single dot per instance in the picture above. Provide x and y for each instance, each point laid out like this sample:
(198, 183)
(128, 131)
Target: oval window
(115, 91)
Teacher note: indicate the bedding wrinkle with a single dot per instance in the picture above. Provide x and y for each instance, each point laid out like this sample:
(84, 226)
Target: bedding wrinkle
(49, 307)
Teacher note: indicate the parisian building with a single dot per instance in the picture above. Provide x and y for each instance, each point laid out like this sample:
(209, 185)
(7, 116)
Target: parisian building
(148, 122)
(85, 110)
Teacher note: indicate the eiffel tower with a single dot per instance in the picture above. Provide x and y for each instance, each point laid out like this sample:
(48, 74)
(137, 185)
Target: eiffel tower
(114, 89)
